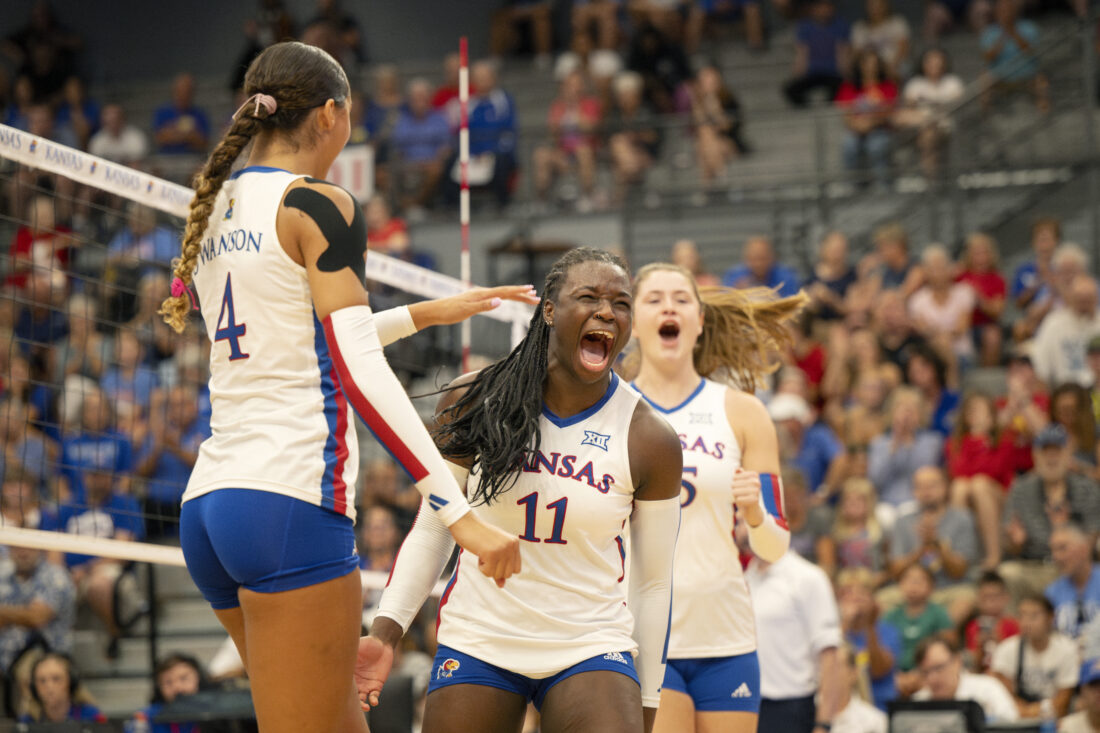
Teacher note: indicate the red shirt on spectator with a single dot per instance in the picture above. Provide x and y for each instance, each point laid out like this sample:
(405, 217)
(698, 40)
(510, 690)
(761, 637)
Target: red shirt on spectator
(380, 239)
(866, 100)
(1005, 628)
(1020, 450)
(977, 455)
(812, 364)
(986, 285)
(575, 124)
(28, 246)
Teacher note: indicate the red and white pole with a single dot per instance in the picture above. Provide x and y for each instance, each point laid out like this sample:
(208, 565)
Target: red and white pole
(464, 193)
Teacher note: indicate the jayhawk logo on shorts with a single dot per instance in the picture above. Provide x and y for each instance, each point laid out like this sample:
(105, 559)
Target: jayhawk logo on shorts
(447, 669)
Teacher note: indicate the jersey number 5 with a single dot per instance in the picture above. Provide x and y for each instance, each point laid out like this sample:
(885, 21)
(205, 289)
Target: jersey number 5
(688, 494)
(531, 504)
(232, 331)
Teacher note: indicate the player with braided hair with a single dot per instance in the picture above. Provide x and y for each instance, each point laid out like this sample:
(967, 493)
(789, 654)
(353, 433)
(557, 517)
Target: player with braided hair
(687, 338)
(553, 446)
(276, 256)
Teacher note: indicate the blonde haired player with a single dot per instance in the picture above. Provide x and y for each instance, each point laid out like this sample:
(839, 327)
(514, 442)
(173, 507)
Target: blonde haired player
(277, 258)
(731, 464)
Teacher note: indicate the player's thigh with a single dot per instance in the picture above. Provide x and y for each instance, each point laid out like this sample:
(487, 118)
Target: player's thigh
(725, 722)
(676, 713)
(474, 709)
(301, 655)
(601, 700)
(233, 621)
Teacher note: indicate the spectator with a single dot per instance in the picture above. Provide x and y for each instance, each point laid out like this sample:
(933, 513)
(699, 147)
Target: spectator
(141, 247)
(808, 356)
(271, 24)
(662, 65)
(1041, 501)
(798, 634)
(707, 14)
(41, 321)
(1059, 347)
(445, 98)
(385, 107)
(128, 379)
(821, 54)
(77, 112)
(504, 38)
(979, 271)
(1075, 595)
(1087, 719)
(1010, 47)
(892, 267)
(1068, 262)
(603, 15)
(875, 643)
(856, 540)
(385, 233)
(941, 16)
(37, 600)
(944, 678)
(942, 310)
(18, 500)
(685, 253)
(573, 122)
(56, 690)
(176, 675)
(41, 242)
(896, 335)
(808, 444)
(716, 118)
(1039, 663)
(807, 524)
(868, 100)
(760, 269)
(493, 125)
(938, 537)
(347, 38)
(84, 350)
(26, 450)
(856, 714)
(97, 449)
(1022, 412)
(379, 542)
(992, 623)
(917, 618)
(167, 455)
(179, 126)
(895, 457)
(634, 137)
(887, 34)
(927, 101)
(979, 463)
(422, 139)
(1071, 407)
(1033, 281)
(928, 373)
(117, 140)
(831, 278)
(17, 114)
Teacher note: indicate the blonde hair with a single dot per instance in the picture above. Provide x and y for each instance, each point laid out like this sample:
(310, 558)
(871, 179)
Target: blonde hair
(743, 329)
(864, 488)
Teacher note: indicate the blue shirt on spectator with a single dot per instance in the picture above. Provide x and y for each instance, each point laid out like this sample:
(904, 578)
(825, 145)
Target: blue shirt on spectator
(822, 42)
(819, 448)
(158, 247)
(890, 467)
(120, 512)
(1072, 611)
(1026, 278)
(493, 124)
(137, 389)
(43, 327)
(108, 451)
(169, 114)
(779, 276)
(170, 476)
(1012, 63)
(883, 689)
(90, 108)
(80, 711)
(420, 139)
(154, 710)
(50, 585)
(943, 417)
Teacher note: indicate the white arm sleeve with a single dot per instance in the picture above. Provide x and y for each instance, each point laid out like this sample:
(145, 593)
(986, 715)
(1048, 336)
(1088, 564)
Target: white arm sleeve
(768, 540)
(394, 324)
(421, 560)
(653, 529)
(380, 401)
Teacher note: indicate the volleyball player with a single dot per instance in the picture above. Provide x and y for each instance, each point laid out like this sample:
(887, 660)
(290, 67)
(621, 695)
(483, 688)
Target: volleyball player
(277, 259)
(553, 446)
(730, 465)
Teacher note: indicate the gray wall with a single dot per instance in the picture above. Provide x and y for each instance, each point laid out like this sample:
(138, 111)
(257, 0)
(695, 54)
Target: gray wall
(154, 39)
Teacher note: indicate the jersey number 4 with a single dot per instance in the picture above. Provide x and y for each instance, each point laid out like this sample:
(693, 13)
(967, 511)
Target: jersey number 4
(531, 504)
(231, 331)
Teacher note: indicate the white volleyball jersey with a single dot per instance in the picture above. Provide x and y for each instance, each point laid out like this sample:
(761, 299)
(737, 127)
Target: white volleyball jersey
(711, 610)
(280, 422)
(570, 505)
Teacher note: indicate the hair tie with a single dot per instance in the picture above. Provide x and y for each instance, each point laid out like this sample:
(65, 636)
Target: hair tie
(259, 99)
(179, 288)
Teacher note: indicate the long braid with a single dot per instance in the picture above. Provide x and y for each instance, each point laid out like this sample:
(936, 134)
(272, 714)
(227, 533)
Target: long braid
(495, 423)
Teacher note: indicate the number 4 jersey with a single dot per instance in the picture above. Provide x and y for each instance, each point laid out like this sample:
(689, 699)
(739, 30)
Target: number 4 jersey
(570, 506)
(280, 422)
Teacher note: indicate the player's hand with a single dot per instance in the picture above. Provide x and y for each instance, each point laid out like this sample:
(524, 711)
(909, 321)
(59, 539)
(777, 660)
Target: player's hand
(497, 551)
(457, 308)
(372, 667)
(746, 496)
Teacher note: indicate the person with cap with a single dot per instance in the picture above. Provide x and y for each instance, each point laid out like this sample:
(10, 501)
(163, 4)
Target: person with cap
(809, 445)
(1087, 719)
(1092, 358)
(1040, 501)
(1075, 595)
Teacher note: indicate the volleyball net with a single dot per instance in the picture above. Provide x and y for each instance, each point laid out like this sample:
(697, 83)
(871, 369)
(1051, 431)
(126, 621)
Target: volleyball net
(102, 405)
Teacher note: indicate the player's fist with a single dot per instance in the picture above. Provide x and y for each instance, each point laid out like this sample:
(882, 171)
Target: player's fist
(746, 496)
(497, 551)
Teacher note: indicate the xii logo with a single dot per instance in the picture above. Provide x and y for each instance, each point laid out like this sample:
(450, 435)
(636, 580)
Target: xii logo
(599, 440)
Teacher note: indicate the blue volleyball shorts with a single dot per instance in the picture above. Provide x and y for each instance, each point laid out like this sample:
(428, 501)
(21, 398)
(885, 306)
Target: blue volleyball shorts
(720, 684)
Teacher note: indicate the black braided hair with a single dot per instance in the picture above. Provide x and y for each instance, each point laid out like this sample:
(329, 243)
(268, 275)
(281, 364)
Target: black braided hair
(495, 423)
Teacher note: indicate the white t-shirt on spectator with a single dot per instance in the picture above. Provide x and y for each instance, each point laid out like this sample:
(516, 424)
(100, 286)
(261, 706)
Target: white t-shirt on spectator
(1058, 351)
(129, 147)
(944, 317)
(1045, 673)
(934, 96)
(885, 38)
(1077, 723)
(796, 620)
(987, 691)
(860, 717)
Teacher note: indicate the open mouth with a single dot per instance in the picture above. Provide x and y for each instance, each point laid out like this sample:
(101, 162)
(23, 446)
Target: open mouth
(596, 349)
(669, 332)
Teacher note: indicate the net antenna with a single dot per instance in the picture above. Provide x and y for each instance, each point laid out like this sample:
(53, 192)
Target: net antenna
(464, 176)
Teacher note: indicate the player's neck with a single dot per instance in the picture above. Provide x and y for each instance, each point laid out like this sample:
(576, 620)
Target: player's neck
(667, 384)
(565, 395)
(302, 161)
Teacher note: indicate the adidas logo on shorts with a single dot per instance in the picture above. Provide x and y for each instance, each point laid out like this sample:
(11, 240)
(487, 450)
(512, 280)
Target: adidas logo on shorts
(615, 657)
(742, 691)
